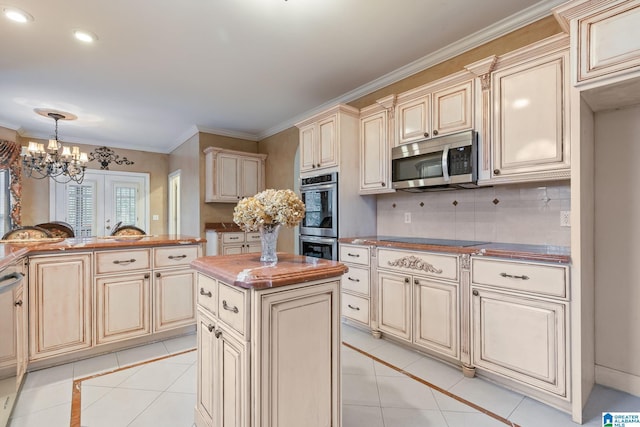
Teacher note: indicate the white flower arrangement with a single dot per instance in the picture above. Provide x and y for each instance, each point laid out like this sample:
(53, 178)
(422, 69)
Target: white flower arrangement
(269, 207)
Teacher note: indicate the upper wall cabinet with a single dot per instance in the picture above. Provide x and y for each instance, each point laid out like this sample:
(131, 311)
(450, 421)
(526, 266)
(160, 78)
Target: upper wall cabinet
(232, 175)
(322, 137)
(605, 39)
(376, 140)
(435, 109)
(530, 95)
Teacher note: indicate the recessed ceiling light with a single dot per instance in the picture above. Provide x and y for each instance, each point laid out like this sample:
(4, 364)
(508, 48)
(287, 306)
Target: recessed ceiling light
(16, 14)
(85, 36)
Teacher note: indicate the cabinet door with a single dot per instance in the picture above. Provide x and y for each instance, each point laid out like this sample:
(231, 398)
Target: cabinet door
(452, 109)
(327, 142)
(413, 120)
(8, 344)
(531, 118)
(436, 316)
(251, 179)
(307, 148)
(394, 304)
(228, 177)
(22, 335)
(60, 304)
(253, 248)
(232, 249)
(122, 307)
(521, 338)
(174, 299)
(206, 405)
(374, 154)
(232, 373)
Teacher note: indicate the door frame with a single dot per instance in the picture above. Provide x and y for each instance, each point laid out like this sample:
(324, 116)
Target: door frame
(174, 202)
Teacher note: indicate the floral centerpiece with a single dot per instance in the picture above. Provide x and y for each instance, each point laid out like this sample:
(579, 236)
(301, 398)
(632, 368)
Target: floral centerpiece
(266, 212)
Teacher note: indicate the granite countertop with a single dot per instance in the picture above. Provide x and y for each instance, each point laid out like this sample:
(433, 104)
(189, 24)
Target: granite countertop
(557, 254)
(246, 270)
(10, 252)
(220, 227)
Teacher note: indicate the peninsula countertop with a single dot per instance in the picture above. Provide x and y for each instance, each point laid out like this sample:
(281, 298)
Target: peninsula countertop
(546, 253)
(11, 251)
(247, 271)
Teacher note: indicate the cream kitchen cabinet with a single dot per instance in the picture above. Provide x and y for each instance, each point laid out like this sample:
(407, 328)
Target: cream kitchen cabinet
(605, 37)
(376, 141)
(519, 322)
(174, 287)
(233, 242)
(437, 109)
(122, 295)
(530, 93)
(356, 284)
(60, 304)
(418, 298)
(232, 175)
(322, 136)
(13, 311)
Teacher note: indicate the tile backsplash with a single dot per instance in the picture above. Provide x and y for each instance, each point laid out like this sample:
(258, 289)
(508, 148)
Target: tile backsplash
(522, 213)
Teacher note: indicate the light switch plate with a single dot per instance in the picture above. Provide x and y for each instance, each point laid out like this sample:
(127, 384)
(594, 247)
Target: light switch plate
(565, 218)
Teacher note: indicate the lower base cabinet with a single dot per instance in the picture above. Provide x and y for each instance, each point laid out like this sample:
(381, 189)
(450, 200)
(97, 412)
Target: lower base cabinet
(436, 316)
(284, 371)
(520, 338)
(174, 299)
(394, 304)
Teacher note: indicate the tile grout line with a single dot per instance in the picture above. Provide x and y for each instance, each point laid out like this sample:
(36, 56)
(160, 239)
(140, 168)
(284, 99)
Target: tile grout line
(76, 392)
(435, 387)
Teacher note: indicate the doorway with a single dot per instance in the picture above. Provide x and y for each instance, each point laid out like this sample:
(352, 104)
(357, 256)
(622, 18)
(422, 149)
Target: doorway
(174, 202)
(104, 199)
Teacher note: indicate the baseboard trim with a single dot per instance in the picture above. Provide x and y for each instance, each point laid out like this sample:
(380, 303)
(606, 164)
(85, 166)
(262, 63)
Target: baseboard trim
(619, 380)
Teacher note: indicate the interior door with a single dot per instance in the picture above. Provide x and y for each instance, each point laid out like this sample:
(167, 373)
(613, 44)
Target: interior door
(104, 199)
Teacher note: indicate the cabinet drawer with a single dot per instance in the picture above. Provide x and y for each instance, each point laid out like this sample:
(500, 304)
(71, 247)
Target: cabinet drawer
(122, 260)
(354, 254)
(231, 307)
(232, 237)
(207, 293)
(521, 276)
(355, 308)
(356, 280)
(252, 237)
(174, 256)
(422, 263)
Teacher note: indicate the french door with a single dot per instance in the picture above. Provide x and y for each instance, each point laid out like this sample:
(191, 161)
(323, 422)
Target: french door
(103, 200)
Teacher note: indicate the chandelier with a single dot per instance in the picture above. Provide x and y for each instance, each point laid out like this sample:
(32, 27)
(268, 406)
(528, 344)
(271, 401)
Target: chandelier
(58, 162)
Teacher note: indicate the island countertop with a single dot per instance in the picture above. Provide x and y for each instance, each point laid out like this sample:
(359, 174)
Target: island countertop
(246, 270)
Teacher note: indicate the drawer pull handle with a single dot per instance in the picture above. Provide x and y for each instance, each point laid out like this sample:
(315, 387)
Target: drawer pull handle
(226, 307)
(124, 261)
(217, 333)
(210, 328)
(353, 308)
(353, 280)
(206, 294)
(353, 255)
(233, 238)
(523, 277)
(18, 303)
(177, 256)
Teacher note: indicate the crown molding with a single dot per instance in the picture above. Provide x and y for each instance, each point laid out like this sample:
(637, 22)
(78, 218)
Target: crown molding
(229, 133)
(492, 32)
(96, 142)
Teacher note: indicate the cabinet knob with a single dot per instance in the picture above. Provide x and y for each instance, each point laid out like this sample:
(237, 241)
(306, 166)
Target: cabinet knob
(496, 171)
(416, 281)
(406, 280)
(475, 293)
(313, 166)
(18, 303)
(210, 328)
(217, 333)
(158, 274)
(146, 276)
(318, 165)
(435, 132)
(426, 134)
(383, 184)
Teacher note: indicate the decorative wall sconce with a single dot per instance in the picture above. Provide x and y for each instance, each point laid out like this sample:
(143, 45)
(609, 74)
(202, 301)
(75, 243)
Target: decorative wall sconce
(105, 155)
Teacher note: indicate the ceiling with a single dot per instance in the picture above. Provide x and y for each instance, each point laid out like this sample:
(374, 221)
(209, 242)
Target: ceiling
(162, 70)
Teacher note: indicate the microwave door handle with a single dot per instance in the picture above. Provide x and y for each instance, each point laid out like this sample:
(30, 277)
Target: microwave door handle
(445, 164)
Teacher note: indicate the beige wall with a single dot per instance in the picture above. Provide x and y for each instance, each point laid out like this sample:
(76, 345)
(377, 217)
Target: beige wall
(282, 173)
(218, 212)
(186, 159)
(35, 193)
(8, 134)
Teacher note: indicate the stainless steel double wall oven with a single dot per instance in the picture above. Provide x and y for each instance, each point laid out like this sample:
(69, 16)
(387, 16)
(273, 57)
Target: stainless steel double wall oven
(319, 228)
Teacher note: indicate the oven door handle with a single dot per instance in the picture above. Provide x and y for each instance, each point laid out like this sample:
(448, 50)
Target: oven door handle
(445, 164)
(317, 187)
(314, 239)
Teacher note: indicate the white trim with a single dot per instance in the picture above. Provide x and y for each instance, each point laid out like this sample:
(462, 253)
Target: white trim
(618, 380)
(184, 137)
(229, 133)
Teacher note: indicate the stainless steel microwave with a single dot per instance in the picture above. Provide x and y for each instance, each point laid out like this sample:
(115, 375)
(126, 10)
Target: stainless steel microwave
(446, 162)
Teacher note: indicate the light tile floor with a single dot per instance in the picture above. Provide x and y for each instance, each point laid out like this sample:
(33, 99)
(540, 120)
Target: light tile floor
(162, 393)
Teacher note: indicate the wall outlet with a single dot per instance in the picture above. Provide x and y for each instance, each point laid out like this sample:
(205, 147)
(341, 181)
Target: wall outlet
(156, 217)
(565, 218)
(407, 217)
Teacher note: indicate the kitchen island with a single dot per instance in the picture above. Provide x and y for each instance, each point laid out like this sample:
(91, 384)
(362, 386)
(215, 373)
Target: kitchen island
(268, 341)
